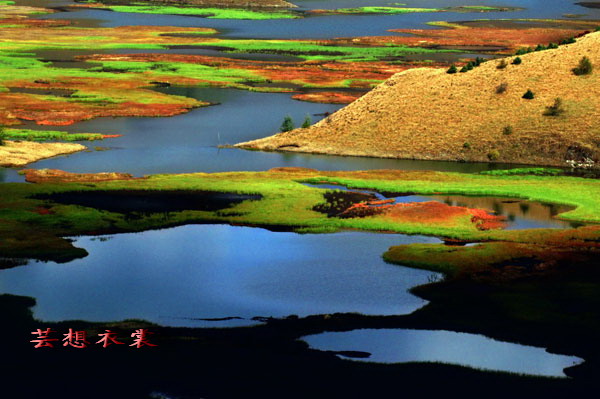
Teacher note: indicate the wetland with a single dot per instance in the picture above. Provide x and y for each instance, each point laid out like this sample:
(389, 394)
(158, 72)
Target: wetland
(270, 273)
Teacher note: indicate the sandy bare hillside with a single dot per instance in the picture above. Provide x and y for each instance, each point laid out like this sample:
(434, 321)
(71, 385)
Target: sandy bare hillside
(429, 114)
(19, 153)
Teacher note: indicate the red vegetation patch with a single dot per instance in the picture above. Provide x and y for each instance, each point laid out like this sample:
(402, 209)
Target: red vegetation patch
(36, 23)
(328, 97)
(431, 212)
(58, 112)
(309, 73)
(56, 176)
(486, 221)
(42, 210)
(497, 39)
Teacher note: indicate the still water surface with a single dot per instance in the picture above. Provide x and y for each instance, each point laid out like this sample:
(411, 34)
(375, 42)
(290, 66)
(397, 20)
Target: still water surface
(401, 345)
(213, 271)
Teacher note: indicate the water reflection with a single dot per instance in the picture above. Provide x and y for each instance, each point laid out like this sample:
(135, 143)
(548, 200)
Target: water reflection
(400, 346)
(174, 276)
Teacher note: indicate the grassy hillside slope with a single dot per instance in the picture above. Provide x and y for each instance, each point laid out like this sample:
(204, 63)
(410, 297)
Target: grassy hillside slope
(430, 114)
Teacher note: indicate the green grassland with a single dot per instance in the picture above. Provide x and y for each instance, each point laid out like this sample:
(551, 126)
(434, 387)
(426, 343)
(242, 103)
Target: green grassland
(287, 203)
(215, 13)
(48, 135)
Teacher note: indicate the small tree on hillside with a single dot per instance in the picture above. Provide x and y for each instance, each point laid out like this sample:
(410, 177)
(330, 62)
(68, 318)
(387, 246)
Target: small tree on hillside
(452, 69)
(555, 109)
(307, 122)
(529, 95)
(2, 135)
(585, 67)
(287, 125)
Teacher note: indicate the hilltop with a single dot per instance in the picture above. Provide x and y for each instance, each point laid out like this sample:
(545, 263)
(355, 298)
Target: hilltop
(426, 113)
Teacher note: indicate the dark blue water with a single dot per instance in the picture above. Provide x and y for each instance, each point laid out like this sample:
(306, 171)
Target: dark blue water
(322, 27)
(401, 346)
(189, 142)
(211, 271)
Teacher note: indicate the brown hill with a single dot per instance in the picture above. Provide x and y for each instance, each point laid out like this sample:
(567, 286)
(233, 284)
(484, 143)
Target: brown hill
(429, 114)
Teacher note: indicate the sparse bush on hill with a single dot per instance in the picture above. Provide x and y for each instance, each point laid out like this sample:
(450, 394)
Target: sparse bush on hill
(307, 122)
(467, 145)
(287, 125)
(517, 61)
(2, 135)
(452, 69)
(523, 50)
(555, 109)
(540, 47)
(507, 131)
(529, 95)
(552, 46)
(568, 41)
(585, 67)
(464, 69)
(502, 64)
(493, 155)
(501, 88)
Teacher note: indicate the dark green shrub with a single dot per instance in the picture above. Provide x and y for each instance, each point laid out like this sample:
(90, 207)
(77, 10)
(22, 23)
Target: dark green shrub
(452, 69)
(469, 66)
(502, 64)
(467, 145)
(529, 95)
(521, 51)
(307, 122)
(585, 67)
(517, 61)
(507, 131)
(493, 155)
(464, 69)
(501, 88)
(2, 135)
(555, 109)
(540, 47)
(287, 125)
(568, 41)
(552, 46)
